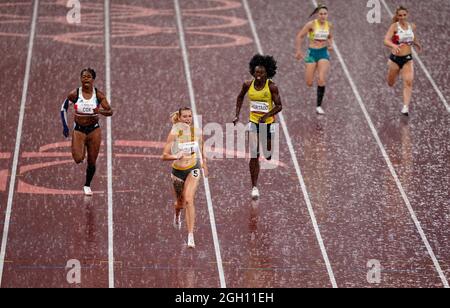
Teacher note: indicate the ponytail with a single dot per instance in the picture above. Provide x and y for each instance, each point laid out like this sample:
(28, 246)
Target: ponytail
(175, 116)
(317, 9)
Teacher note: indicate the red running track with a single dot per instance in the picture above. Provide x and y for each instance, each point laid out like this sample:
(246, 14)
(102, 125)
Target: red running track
(360, 212)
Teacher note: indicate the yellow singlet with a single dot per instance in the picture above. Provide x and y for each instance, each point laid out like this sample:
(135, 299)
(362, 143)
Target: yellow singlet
(320, 33)
(189, 143)
(260, 103)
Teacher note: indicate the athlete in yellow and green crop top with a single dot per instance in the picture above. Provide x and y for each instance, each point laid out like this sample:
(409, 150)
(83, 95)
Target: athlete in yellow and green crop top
(265, 103)
(184, 147)
(317, 58)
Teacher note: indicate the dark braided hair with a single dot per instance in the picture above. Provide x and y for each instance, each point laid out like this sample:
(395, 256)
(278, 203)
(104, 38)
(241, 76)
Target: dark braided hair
(90, 71)
(268, 62)
(317, 9)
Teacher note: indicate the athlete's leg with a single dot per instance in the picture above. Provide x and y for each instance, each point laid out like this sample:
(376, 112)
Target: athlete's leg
(393, 72)
(78, 146)
(323, 67)
(254, 158)
(309, 73)
(93, 143)
(190, 188)
(408, 78)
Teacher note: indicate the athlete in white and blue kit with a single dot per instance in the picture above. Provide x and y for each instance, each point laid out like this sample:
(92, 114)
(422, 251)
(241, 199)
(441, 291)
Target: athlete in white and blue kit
(88, 103)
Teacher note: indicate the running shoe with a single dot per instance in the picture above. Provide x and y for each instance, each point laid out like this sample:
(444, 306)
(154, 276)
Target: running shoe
(87, 191)
(191, 242)
(255, 193)
(405, 110)
(320, 110)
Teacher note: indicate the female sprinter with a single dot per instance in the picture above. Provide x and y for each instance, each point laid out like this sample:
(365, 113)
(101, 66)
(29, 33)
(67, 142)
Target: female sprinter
(265, 103)
(187, 143)
(317, 57)
(400, 38)
(86, 135)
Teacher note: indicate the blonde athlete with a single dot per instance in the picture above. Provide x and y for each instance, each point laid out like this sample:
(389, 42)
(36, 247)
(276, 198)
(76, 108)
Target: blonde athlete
(183, 147)
(265, 103)
(400, 38)
(320, 32)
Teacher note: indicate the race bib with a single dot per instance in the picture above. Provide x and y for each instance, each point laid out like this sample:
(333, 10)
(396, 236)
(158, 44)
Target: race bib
(188, 147)
(261, 107)
(85, 107)
(321, 35)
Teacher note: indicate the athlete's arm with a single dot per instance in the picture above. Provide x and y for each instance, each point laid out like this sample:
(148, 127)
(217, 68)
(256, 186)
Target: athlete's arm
(167, 153)
(276, 100)
(299, 39)
(106, 109)
(330, 38)
(204, 165)
(388, 40)
(240, 100)
(65, 106)
(416, 40)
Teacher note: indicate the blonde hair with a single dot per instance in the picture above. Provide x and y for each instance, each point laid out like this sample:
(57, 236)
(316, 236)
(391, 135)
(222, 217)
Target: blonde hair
(175, 116)
(400, 8)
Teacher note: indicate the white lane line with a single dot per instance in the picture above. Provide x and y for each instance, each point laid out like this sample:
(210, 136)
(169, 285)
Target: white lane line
(18, 139)
(109, 146)
(425, 70)
(389, 164)
(295, 161)
(187, 69)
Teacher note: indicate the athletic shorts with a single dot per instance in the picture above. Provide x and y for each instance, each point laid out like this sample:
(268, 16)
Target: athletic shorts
(400, 61)
(86, 129)
(315, 55)
(183, 174)
(265, 133)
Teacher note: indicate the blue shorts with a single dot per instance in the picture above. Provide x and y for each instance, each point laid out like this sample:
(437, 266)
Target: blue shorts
(315, 55)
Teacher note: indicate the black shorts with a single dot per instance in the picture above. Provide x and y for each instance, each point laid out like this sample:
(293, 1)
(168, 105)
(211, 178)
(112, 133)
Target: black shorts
(183, 174)
(86, 129)
(400, 61)
(265, 137)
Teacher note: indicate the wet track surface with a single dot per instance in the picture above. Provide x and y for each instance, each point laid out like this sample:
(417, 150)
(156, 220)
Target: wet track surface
(272, 242)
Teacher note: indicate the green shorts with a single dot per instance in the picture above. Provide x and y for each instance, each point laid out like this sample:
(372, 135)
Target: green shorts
(315, 55)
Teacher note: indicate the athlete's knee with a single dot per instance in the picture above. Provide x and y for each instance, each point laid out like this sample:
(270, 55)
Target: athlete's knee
(188, 202)
(77, 158)
(179, 204)
(309, 83)
(390, 82)
(322, 82)
(408, 83)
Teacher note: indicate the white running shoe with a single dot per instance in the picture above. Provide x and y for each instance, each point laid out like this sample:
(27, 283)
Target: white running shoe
(255, 193)
(177, 221)
(320, 110)
(405, 110)
(191, 242)
(87, 191)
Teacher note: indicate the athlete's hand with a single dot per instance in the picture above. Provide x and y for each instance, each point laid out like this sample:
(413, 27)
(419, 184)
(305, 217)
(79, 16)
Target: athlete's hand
(96, 110)
(395, 50)
(235, 121)
(205, 170)
(66, 131)
(263, 119)
(299, 55)
(419, 47)
(182, 155)
(330, 48)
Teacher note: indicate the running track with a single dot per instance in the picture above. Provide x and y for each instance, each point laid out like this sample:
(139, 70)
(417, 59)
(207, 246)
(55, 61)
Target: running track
(355, 198)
